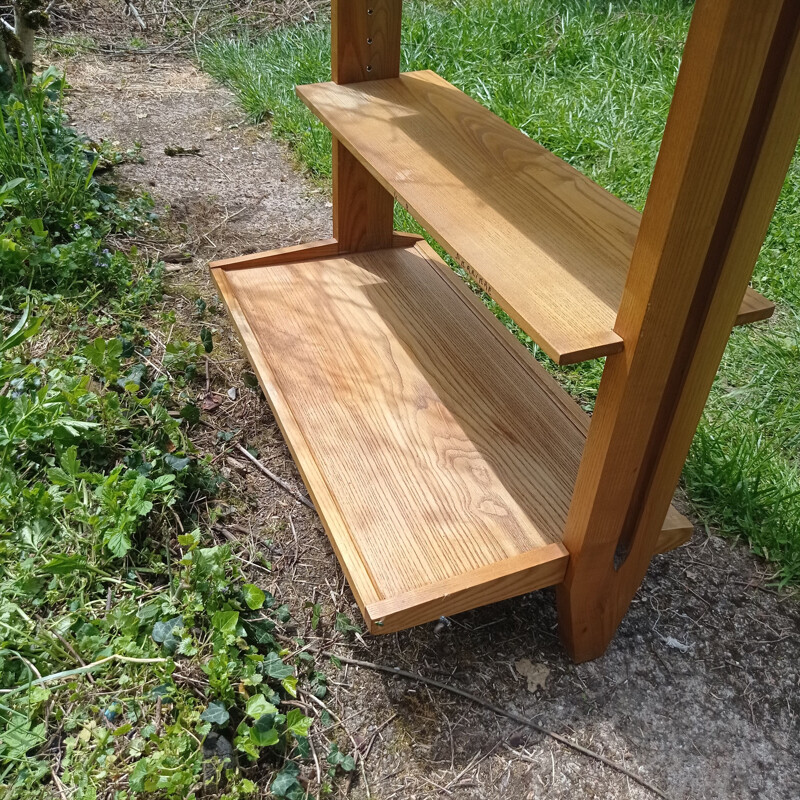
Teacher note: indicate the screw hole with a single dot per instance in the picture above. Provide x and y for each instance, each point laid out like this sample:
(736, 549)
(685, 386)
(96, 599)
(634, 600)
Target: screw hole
(369, 40)
(369, 68)
(369, 11)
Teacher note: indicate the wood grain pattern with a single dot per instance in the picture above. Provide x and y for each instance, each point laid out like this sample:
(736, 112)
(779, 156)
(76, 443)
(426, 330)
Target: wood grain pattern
(310, 251)
(365, 46)
(283, 255)
(365, 39)
(550, 245)
(433, 445)
(509, 578)
(731, 132)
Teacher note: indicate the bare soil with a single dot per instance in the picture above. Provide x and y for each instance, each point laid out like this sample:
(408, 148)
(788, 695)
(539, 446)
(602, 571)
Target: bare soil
(700, 691)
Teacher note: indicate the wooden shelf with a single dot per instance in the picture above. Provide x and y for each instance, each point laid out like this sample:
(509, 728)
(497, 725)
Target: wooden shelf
(440, 456)
(547, 243)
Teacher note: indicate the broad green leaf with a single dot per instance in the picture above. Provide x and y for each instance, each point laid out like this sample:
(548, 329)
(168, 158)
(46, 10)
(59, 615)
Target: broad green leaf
(225, 622)
(286, 780)
(63, 565)
(263, 733)
(258, 706)
(253, 596)
(297, 723)
(275, 668)
(216, 713)
(119, 543)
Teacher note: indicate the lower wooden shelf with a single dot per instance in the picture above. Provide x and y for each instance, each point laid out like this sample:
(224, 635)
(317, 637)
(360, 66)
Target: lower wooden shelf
(440, 456)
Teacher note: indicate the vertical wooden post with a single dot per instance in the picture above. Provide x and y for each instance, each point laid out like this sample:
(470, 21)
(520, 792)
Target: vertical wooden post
(365, 46)
(730, 136)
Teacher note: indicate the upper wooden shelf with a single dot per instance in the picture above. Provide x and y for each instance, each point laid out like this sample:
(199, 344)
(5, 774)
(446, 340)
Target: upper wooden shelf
(547, 243)
(439, 454)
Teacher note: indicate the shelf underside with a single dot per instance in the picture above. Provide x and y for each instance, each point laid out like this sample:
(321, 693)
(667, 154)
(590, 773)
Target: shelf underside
(440, 456)
(547, 243)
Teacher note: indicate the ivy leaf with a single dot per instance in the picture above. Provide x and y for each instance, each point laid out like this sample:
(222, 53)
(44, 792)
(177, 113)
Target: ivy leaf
(286, 781)
(205, 338)
(345, 625)
(177, 463)
(225, 622)
(275, 668)
(290, 685)
(216, 713)
(163, 633)
(253, 596)
(263, 733)
(258, 706)
(338, 759)
(297, 723)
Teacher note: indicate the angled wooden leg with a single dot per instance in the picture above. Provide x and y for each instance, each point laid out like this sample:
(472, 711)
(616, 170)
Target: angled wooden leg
(730, 136)
(365, 46)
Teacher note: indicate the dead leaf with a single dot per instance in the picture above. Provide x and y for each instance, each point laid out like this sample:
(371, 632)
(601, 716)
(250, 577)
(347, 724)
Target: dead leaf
(535, 674)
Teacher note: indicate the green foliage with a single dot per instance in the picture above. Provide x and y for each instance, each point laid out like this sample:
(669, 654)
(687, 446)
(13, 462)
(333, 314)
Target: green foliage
(54, 213)
(592, 82)
(104, 549)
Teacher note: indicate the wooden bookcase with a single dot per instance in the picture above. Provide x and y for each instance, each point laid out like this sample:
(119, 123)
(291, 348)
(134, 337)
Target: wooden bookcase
(449, 470)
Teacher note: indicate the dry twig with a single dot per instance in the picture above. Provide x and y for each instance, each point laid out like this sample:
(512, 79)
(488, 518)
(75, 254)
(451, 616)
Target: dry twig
(503, 713)
(272, 476)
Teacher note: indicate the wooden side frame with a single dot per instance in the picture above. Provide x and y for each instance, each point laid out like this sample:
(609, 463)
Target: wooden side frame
(731, 132)
(365, 46)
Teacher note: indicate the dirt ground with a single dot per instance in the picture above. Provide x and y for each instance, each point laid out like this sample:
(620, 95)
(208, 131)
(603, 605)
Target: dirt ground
(699, 693)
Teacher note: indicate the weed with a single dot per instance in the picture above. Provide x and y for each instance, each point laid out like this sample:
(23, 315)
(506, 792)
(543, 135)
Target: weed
(135, 657)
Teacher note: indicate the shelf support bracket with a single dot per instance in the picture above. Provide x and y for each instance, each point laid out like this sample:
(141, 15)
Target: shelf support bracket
(365, 46)
(729, 139)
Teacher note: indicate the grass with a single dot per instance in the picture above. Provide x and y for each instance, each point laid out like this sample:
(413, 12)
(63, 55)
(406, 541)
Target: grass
(593, 83)
(137, 658)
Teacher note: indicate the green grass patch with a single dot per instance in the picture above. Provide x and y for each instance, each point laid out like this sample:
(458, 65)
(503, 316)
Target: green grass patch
(593, 83)
(135, 657)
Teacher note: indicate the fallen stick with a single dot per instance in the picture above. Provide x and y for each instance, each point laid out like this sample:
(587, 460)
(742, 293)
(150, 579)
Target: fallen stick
(502, 712)
(272, 476)
(57, 676)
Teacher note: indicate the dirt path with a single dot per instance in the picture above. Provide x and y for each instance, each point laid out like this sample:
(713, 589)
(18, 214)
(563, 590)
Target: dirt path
(700, 691)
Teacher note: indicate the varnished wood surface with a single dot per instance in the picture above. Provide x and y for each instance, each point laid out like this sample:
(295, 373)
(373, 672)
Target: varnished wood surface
(729, 139)
(283, 255)
(365, 39)
(550, 245)
(365, 46)
(440, 456)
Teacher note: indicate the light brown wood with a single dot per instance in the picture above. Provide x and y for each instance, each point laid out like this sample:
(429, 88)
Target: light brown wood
(730, 135)
(754, 308)
(550, 245)
(509, 578)
(283, 255)
(433, 445)
(676, 531)
(365, 39)
(365, 46)
(301, 252)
